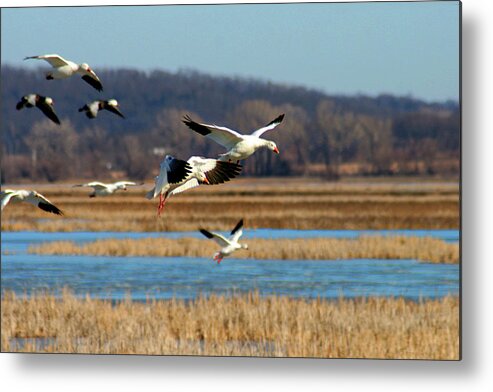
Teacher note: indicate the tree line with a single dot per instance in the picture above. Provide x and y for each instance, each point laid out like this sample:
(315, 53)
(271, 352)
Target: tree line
(321, 135)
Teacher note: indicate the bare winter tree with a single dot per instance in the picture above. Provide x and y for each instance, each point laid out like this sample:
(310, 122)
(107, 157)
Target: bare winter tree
(53, 150)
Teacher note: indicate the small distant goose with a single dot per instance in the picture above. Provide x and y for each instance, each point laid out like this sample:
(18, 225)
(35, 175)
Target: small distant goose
(66, 68)
(94, 107)
(102, 189)
(45, 104)
(31, 197)
(188, 175)
(240, 146)
(229, 245)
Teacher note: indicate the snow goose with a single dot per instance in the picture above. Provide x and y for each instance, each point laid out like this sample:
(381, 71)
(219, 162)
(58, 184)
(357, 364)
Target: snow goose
(198, 171)
(45, 104)
(102, 189)
(66, 68)
(31, 197)
(92, 109)
(240, 146)
(228, 245)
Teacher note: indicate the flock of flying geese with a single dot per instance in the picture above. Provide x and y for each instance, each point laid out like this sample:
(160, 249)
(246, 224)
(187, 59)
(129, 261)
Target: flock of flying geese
(175, 175)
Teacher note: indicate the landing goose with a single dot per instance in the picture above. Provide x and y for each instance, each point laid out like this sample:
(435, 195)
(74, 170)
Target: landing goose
(102, 189)
(31, 197)
(230, 244)
(66, 68)
(92, 109)
(198, 171)
(240, 146)
(45, 104)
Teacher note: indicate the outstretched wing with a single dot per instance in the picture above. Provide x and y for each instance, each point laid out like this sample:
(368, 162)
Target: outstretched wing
(54, 59)
(179, 170)
(222, 172)
(237, 232)
(216, 172)
(46, 205)
(191, 183)
(115, 110)
(126, 183)
(21, 103)
(6, 197)
(93, 82)
(172, 171)
(274, 123)
(48, 111)
(221, 135)
(94, 184)
(218, 238)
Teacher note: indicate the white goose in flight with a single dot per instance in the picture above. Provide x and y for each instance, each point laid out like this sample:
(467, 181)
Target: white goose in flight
(102, 189)
(66, 68)
(92, 109)
(240, 146)
(228, 245)
(45, 104)
(31, 197)
(176, 176)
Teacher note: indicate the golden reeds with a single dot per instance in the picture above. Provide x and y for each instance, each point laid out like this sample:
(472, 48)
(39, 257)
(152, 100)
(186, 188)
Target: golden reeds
(374, 247)
(294, 204)
(247, 325)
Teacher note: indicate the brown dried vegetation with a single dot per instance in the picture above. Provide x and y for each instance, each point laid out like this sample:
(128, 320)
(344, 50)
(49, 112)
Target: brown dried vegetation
(377, 247)
(247, 325)
(291, 203)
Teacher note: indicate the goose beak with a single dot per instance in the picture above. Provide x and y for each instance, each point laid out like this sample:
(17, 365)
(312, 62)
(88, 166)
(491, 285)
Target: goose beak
(276, 150)
(206, 180)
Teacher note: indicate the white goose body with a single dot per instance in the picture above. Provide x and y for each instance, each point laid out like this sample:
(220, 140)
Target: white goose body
(102, 189)
(228, 245)
(246, 147)
(92, 109)
(176, 176)
(32, 197)
(45, 104)
(63, 69)
(239, 146)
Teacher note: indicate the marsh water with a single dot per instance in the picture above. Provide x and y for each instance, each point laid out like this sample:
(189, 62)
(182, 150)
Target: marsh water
(187, 277)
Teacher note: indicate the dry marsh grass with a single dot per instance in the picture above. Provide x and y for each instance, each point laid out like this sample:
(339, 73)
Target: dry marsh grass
(247, 325)
(294, 204)
(375, 247)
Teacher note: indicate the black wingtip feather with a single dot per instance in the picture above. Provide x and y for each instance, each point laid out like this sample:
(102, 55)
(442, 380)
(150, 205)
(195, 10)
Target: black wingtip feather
(50, 208)
(115, 111)
(223, 172)
(179, 171)
(206, 233)
(94, 83)
(194, 126)
(49, 112)
(277, 120)
(238, 226)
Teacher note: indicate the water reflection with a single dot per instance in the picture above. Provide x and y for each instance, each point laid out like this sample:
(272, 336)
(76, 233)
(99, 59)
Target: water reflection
(186, 277)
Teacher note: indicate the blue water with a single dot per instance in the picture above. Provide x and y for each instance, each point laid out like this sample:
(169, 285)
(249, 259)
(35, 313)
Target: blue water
(187, 277)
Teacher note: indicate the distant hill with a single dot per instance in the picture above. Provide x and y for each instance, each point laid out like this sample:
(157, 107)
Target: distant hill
(153, 102)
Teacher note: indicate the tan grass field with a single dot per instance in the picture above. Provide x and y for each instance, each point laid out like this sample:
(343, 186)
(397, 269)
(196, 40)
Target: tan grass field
(429, 250)
(289, 203)
(247, 325)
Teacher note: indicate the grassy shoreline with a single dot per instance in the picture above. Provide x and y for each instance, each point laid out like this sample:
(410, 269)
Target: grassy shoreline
(424, 249)
(246, 325)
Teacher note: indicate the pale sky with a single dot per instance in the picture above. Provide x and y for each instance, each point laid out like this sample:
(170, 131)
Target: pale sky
(409, 48)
